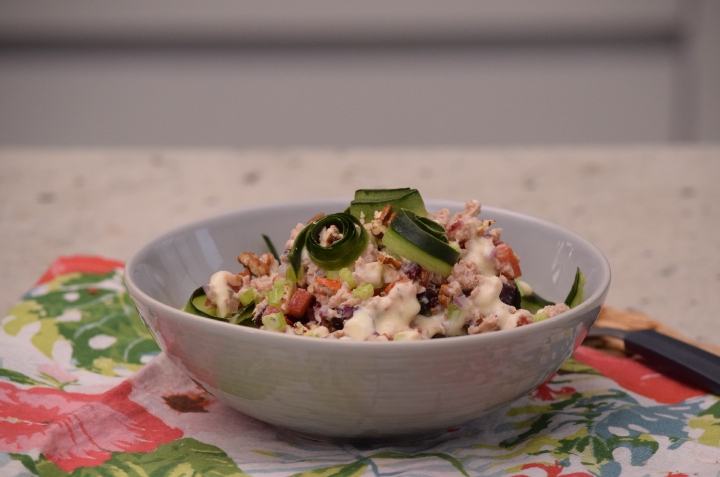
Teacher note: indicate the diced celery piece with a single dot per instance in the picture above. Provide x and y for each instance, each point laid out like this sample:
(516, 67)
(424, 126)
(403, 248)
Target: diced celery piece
(275, 296)
(259, 295)
(280, 283)
(540, 316)
(364, 291)
(456, 320)
(274, 322)
(332, 274)
(290, 275)
(347, 276)
(247, 297)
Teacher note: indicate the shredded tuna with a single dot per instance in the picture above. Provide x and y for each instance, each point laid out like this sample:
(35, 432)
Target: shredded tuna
(482, 325)
(465, 276)
(442, 217)
(554, 310)
(342, 298)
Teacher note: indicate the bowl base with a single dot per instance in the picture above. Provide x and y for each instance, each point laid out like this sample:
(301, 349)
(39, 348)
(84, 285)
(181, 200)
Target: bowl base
(361, 441)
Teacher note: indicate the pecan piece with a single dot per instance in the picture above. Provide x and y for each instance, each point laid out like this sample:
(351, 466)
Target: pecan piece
(388, 260)
(258, 266)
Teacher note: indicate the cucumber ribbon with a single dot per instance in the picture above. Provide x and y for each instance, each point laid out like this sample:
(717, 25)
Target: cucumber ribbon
(337, 255)
(196, 306)
(420, 240)
(534, 302)
(369, 201)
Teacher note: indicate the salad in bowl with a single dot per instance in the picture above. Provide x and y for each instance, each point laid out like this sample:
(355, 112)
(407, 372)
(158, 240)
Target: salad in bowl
(383, 269)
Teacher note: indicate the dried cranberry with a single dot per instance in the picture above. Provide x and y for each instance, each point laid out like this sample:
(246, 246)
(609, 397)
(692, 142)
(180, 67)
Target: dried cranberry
(428, 300)
(412, 270)
(510, 295)
(337, 323)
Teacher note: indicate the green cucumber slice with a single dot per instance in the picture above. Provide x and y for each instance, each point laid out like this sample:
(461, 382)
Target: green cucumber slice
(380, 194)
(345, 251)
(338, 255)
(196, 306)
(577, 292)
(295, 254)
(368, 201)
(432, 227)
(407, 238)
(534, 302)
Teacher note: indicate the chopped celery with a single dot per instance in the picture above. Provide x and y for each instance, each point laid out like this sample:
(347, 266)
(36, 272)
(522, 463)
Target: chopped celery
(247, 297)
(290, 275)
(274, 322)
(364, 291)
(456, 320)
(347, 276)
(540, 316)
(259, 296)
(275, 296)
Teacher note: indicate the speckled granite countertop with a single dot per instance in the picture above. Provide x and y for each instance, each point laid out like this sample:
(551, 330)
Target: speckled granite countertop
(653, 210)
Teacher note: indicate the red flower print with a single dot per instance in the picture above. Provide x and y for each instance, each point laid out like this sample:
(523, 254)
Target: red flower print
(76, 430)
(552, 470)
(637, 377)
(79, 263)
(546, 393)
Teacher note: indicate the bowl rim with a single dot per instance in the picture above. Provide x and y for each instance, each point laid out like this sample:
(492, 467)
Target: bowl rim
(270, 338)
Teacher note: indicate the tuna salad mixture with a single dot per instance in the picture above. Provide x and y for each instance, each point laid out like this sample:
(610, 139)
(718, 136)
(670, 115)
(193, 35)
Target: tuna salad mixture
(383, 270)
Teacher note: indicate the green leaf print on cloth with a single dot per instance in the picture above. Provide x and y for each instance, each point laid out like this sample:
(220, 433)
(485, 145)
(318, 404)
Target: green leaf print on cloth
(183, 457)
(94, 314)
(359, 467)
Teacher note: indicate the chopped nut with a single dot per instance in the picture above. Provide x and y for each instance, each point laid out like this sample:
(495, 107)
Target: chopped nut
(258, 266)
(388, 260)
(384, 213)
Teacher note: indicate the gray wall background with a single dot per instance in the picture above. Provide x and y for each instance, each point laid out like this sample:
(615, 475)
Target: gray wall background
(376, 73)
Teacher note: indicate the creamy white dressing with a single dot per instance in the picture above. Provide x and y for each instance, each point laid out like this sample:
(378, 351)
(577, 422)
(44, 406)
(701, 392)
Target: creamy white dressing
(360, 326)
(396, 310)
(385, 314)
(431, 325)
(221, 290)
(480, 252)
(486, 301)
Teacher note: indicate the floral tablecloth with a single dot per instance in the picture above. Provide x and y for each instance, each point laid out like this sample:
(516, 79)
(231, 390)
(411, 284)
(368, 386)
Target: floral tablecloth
(84, 390)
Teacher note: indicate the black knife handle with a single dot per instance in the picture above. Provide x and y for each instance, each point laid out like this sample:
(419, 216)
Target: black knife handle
(693, 364)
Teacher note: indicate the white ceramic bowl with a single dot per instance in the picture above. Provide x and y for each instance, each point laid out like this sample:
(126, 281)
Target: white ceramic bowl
(359, 391)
